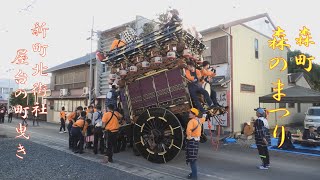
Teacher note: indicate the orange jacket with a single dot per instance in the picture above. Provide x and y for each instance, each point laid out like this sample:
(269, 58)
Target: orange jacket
(113, 125)
(191, 78)
(117, 43)
(71, 116)
(207, 73)
(191, 125)
(63, 115)
(82, 124)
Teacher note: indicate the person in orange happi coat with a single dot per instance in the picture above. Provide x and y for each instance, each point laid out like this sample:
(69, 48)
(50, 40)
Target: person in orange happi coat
(117, 42)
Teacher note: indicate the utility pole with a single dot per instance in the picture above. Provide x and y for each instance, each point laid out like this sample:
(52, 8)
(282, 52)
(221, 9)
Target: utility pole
(90, 77)
(8, 71)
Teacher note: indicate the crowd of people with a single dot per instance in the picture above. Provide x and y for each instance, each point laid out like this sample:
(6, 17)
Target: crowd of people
(196, 79)
(94, 129)
(4, 111)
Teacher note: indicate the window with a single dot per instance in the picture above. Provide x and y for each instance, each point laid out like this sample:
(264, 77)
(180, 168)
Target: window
(56, 105)
(108, 69)
(67, 78)
(282, 105)
(219, 50)
(5, 90)
(80, 77)
(71, 108)
(103, 67)
(291, 105)
(247, 88)
(74, 104)
(40, 100)
(299, 108)
(314, 112)
(256, 49)
(64, 103)
(59, 105)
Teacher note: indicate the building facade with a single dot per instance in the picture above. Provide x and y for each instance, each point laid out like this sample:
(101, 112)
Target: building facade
(69, 86)
(7, 86)
(241, 53)
(105, 40)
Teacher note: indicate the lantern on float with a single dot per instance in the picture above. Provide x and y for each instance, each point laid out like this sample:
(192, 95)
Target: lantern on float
(100, 56)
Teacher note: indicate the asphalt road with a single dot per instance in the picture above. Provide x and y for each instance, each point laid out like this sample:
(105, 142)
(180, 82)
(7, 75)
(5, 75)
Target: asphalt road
(41, 162)
(234, 162)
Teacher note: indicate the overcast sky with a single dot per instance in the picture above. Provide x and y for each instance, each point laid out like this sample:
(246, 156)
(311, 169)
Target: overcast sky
(69, 23)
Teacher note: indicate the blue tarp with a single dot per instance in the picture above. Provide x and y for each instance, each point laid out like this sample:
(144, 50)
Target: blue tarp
(230, 140)
(311, 151)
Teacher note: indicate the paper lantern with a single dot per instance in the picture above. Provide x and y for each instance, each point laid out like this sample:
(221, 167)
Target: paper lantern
(171, 55)
(158, 60)
(145, 64)
(100, 56)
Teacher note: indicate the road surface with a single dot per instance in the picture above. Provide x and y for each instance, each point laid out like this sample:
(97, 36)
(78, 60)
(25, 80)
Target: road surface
(48, 157)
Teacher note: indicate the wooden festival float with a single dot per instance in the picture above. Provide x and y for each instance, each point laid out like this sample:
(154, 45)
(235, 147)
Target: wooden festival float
(150, 73)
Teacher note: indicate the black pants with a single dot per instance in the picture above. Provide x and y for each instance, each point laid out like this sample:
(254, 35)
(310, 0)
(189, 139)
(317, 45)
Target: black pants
(129, 132)
(264, 155)
(10, 118)
(2, 118)
(63, 124)
(24, 121)
(194, 89)
(112, 143)
(77, 137)
(213, 96)
(122, 141)
(70, 136)
(98, 137)
(35, 119)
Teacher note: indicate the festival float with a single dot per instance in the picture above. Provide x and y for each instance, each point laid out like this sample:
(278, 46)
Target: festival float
(150, 74)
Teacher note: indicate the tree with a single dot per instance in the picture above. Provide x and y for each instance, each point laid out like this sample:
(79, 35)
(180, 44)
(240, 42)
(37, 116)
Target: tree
(147, 29)
(163, 18)
(20, 100)
(313, 76)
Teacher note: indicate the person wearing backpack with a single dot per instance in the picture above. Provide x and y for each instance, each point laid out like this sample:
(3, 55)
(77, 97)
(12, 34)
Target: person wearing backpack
(90, 131)
(193, 133)
(112, 97)
(110, 122)
(98, 134)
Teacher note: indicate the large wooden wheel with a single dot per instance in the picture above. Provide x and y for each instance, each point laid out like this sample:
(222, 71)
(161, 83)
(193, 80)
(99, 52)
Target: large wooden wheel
(158, 135)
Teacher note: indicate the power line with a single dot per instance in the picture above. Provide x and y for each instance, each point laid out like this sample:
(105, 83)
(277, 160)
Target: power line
(27, 8)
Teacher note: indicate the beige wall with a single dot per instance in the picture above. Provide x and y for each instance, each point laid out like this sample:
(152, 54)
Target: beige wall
(249, 70)
(54, 114)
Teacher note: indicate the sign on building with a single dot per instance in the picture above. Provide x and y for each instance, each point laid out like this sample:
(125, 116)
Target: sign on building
(222, 120)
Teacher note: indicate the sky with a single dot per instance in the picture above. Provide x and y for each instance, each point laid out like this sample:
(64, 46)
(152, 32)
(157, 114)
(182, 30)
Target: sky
(70, 21)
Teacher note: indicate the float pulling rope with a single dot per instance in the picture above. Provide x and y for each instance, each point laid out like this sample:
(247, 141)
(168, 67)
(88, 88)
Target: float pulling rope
(211, 135)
